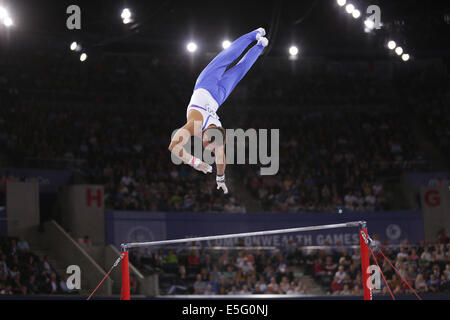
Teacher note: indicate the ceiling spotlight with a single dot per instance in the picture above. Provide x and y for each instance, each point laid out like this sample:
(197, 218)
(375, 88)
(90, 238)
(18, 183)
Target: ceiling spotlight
(356, 13)
(405, 57)
(392, 45)
(226, 44)
(341, 3)
(191, 47)
(369, 24)
(3, 13)
(73, 46)
(349, 8)
(7, 22)
(126, 14)
(83, 57)
(399, 51)
(293, 51)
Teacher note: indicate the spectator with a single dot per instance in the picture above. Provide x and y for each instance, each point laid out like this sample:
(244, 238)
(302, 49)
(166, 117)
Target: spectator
(346, 290)
(336, 286)
(434, 283)
(193, 260)
(63, 286)
(233, 291)
(260, 286)
(199, 285)
(212, 284)
(447, 272)
(179, 285)
(245, 290)
(340, 274)
(23, 245)
(420, 284)
(273, 286)
(284, 285)
(209, 290)
(7, 290)
(394, 282)
(32, 285)
(170, 261)
(46, 267)
(52, 285)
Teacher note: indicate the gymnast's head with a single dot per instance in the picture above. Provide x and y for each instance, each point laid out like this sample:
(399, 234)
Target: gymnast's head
(213, 137)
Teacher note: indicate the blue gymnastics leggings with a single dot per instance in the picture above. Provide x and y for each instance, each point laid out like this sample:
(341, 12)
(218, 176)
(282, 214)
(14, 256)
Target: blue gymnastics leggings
(220, 83)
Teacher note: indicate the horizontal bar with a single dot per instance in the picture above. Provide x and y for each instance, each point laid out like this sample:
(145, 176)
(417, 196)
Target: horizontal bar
(242, 235)
(224, 248)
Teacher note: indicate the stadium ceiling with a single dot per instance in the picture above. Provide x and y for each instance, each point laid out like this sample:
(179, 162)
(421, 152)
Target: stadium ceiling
(317, 26)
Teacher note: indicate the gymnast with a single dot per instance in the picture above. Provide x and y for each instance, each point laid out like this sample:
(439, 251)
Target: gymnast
(213, 87)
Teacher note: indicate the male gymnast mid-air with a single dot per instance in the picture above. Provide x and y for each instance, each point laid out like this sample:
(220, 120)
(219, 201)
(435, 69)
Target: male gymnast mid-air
(213, 86)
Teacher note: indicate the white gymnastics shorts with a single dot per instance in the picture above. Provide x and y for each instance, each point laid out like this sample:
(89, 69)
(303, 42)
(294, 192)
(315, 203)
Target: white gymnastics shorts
(203, 102)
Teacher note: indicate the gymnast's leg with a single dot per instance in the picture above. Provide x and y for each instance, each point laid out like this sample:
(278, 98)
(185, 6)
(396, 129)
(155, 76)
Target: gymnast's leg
(232, 77)
(216, 68)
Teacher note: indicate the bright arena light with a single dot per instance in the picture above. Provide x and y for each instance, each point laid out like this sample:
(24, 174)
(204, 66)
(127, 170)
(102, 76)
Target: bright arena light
(293, 51)
(369, 24)
(7, 22)
(191, 47)
(73, 46)
(126, 14)
(341, 3)
(392, 45)
(356, 13)
(83, 57)
(405, 57)
(3, 13)
(5, 18)
(226, 44)
(349, 8)
(399, 51)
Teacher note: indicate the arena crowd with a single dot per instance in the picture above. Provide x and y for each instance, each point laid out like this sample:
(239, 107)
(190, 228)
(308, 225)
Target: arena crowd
(24, 273)
(115, 132)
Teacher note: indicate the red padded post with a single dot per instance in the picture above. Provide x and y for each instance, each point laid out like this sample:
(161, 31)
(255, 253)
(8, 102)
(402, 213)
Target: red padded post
(125, 294)
(365, 263)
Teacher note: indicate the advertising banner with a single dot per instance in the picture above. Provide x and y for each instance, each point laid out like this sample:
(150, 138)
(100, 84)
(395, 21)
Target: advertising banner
(436, 210)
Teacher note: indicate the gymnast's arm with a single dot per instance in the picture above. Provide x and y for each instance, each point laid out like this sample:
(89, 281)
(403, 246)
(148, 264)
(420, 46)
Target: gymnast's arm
(221, 164)
(180, 139)
(176, 147)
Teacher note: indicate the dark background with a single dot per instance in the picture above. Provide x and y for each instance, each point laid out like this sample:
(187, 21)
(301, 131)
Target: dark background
(319, 27)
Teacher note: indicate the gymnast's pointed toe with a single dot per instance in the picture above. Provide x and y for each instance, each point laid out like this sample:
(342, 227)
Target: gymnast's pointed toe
(263, 41)
(261, 32)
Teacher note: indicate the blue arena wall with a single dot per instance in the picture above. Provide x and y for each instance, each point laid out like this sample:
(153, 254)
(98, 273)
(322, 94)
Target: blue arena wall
(133, 226)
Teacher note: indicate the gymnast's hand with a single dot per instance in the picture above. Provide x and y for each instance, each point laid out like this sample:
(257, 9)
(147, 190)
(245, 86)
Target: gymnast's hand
(221, 184)
(199, 165)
